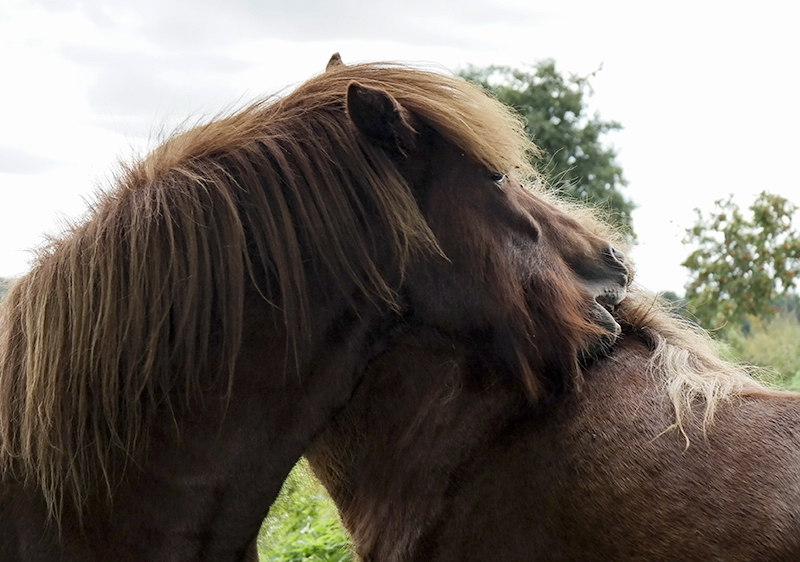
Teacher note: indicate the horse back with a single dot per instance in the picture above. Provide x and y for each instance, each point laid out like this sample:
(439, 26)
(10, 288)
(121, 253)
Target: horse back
(607, 475)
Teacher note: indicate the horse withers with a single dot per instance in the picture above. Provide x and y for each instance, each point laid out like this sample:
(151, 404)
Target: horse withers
(665, 452)
(166, 361)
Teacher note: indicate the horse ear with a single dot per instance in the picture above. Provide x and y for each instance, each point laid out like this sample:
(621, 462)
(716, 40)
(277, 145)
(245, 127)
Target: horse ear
(336, 60)
(381, 118)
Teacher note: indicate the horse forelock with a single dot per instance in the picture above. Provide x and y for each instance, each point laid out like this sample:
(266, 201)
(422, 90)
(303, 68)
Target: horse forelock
(121, 310)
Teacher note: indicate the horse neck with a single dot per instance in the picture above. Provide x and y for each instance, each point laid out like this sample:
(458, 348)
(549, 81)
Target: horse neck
(389, 457)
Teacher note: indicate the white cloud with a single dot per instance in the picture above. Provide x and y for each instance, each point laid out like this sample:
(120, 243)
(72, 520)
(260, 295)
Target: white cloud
(15, 160)
(706, 91)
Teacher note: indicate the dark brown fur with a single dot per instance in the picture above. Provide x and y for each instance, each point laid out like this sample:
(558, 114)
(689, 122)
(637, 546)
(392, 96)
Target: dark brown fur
(432, 461)
(166, 361)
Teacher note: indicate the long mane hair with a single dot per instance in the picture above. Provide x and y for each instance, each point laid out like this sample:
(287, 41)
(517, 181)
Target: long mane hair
(140, 306)
(687, 361)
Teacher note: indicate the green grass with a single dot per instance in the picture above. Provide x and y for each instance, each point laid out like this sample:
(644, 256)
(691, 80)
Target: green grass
(303, 524)
(774, 344)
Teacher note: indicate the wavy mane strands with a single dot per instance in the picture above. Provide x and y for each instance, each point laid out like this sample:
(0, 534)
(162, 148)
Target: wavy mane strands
(143, 301)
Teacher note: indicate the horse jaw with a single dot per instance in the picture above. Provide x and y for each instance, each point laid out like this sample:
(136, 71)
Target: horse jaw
(606, 300)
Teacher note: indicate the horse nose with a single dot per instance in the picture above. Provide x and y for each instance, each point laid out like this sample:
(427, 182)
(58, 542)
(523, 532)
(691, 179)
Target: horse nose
(616, 260)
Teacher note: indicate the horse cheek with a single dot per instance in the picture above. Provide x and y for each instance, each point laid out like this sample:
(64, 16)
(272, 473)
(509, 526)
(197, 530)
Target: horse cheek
(439, 296)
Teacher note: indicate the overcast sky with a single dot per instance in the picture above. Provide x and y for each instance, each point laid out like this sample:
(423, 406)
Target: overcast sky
(707, 92)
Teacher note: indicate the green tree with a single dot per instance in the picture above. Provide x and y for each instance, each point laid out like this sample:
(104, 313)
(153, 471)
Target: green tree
(555, 113)
(742, 264)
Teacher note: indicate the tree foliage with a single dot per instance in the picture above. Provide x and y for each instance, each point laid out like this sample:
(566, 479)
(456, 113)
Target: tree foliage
(555, 113)
(742, 263)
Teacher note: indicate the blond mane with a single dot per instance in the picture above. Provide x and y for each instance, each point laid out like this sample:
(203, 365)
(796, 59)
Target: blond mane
(687, 360)
(146, 296)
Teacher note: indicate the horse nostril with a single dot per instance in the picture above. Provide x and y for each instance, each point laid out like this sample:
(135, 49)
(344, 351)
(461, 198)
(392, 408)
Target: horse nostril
(616, 260)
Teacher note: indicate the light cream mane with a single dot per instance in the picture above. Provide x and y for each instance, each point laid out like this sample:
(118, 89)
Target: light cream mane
(687, 360)
(146, 296)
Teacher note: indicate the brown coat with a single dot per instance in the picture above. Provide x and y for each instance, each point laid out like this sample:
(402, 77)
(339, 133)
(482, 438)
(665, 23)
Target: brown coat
(427, 463)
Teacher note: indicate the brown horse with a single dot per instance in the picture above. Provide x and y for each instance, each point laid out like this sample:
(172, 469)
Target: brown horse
(167, 361)
(664, 453)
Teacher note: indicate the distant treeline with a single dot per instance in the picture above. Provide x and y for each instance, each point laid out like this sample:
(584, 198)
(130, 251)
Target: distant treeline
(5, 285)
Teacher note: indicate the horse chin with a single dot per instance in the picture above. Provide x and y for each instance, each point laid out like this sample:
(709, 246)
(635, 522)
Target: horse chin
(602, 345)
(606, 298)
(604, 318)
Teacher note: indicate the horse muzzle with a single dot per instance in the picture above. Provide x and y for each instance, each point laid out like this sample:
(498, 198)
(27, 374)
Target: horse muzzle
(606, 303)
(609, 289)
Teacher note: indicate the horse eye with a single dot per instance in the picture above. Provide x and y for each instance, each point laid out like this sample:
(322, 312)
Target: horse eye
(498, 178)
